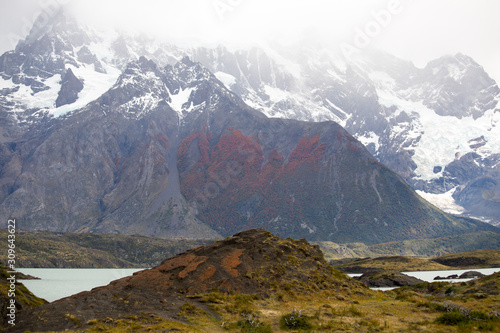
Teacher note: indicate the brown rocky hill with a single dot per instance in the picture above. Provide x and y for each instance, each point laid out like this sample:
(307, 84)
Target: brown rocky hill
(251, 262)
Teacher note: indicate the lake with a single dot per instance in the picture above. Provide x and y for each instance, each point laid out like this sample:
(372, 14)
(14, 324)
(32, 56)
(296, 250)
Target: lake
(57, 283)
(429, 276)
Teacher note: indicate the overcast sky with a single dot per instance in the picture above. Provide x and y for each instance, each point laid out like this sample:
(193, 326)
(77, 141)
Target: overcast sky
(416, 30)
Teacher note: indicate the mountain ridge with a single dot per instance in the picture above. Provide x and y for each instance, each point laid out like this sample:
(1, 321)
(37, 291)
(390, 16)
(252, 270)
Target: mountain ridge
(143, 148)
(142, 131)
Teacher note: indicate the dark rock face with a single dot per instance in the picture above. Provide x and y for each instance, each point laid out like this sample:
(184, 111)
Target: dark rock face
(462, 82)
(70, 88)
(482, 196)
(87, 57)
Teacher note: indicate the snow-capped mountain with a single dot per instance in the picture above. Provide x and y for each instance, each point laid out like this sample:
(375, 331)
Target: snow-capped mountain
(96, 137)
(437, 126)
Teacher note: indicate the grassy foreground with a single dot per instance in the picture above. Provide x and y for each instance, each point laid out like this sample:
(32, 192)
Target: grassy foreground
(258, 282)
(436, 307)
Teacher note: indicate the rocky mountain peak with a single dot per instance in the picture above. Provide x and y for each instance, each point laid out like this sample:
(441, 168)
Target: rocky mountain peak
(55, 33)
(458, 61)
(456, 86)
(50, 23)
(139, 69)
(190, 73)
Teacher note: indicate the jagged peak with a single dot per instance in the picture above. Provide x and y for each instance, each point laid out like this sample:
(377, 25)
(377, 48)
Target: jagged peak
(140, 66)
(147, 64)
(459, 59)
(458, 67)
(141, 72)
(44, 23)
(190, 72)
(186, 61)
(55, 20)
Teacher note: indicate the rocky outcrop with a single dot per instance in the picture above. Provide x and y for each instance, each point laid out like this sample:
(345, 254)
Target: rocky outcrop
(465, 275)
(70, 87)
(382, 278)
(471, 275)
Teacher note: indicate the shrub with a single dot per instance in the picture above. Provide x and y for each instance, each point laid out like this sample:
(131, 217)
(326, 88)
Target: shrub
(280, 296)
(352, 310)
(295, 321)
(241, 303)
(189, 309)
(484, 326)
(213, 297)
(254, 326)
(452, 318)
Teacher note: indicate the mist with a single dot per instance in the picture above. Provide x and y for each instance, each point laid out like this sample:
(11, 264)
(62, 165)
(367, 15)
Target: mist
(418, 31)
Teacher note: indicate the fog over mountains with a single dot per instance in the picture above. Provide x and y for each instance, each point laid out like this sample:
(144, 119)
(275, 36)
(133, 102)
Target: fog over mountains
(119, 133)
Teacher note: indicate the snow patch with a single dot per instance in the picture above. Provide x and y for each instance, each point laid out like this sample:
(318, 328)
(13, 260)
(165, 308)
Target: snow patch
(179, 99)
(276, 94)
(139, 106)
(42, 99)
(455, 72)
(369, 138)
(382, 79)
(346, 115)
(336, 76)
(94, 85)
(312, 230)
(225, 78)
(6, 84)
(443, 201)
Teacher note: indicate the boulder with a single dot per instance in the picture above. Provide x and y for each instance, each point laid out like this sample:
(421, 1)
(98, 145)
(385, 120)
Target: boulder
(471, 275)
(388, 279)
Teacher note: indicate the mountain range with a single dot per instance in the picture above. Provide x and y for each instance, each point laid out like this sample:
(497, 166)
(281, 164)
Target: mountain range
(122, 134)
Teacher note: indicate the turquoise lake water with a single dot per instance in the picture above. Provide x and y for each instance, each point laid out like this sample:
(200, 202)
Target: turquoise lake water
(57, 283)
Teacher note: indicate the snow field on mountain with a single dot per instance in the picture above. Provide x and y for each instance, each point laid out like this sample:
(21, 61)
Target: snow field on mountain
(369, 138)
(179, 99)
(225, 78)
(444, 201)
(94, 85)
(6, 84)
(443, 138)
(43, 99)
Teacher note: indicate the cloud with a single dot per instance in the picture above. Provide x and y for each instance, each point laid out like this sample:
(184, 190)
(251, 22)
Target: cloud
(421, 31)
